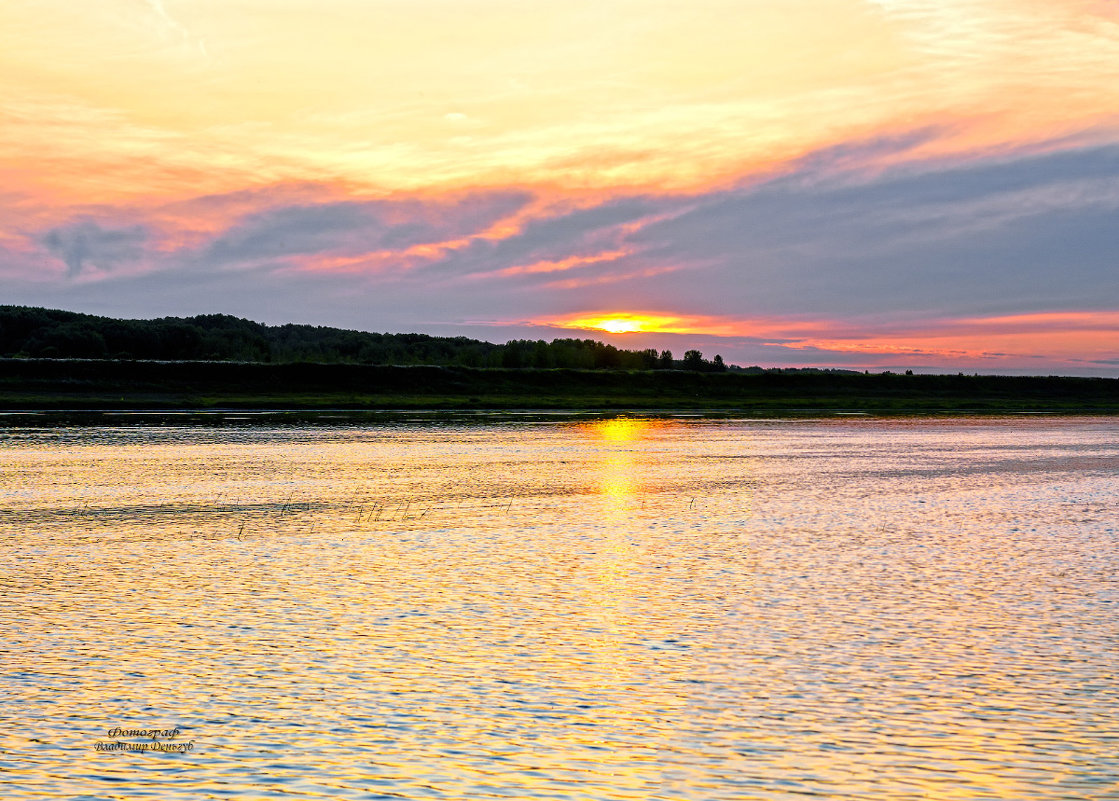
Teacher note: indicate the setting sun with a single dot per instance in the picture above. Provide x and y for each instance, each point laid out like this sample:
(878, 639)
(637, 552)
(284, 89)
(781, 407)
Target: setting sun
(623, 323)
(621, 326)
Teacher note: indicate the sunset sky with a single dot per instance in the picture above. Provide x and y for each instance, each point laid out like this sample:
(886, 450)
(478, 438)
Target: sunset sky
(869, 184)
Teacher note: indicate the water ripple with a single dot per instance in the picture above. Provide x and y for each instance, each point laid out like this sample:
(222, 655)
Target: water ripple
(615, 609)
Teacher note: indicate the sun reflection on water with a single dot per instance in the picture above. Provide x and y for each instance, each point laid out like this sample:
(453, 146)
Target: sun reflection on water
(618, 465)
(621, 429)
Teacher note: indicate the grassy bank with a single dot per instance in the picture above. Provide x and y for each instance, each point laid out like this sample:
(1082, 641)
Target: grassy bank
(71, 384)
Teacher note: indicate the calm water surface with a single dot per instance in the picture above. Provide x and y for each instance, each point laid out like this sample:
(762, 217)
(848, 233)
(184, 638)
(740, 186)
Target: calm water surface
(618, 609)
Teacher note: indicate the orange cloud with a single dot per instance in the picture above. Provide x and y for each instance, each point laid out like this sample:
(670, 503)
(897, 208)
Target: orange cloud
(1084, 335)
(1056, 335)
(609, 278)
(550, 266)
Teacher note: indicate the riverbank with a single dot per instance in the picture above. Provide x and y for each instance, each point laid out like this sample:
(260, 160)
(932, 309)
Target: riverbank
(46, 384)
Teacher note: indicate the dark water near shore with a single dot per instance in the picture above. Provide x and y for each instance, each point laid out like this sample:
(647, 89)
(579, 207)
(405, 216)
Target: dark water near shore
(605, 609)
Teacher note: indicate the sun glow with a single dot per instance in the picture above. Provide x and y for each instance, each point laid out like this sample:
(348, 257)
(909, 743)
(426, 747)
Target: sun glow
(623, 323)
(621, 326)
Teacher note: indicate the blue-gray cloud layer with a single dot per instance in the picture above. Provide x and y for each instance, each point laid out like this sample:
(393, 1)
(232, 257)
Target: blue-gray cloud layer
(1022, 235)
(85, 242)
(830, 237)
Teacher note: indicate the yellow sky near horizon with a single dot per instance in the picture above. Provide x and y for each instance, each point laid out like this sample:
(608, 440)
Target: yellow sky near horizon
(163, 99)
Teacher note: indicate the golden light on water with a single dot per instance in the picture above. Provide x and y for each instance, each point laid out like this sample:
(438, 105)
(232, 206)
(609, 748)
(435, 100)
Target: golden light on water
(617, 484)
(617, 466)
(615, 481)
(621, 466)
(620, 430)
(619, 608)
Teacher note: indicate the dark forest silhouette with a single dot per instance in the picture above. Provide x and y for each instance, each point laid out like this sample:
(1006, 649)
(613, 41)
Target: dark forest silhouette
(47, 333)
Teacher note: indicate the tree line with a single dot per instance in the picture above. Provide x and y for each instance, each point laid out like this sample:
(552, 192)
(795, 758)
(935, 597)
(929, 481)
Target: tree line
(28, 332)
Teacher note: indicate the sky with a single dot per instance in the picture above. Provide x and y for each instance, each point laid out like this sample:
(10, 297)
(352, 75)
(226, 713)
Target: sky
(861, 184)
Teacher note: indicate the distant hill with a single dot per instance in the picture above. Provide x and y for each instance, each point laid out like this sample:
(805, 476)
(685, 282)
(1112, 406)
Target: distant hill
(47, 333)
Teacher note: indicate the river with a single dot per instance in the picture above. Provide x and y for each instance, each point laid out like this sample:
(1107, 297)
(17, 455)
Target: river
(525, 607)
